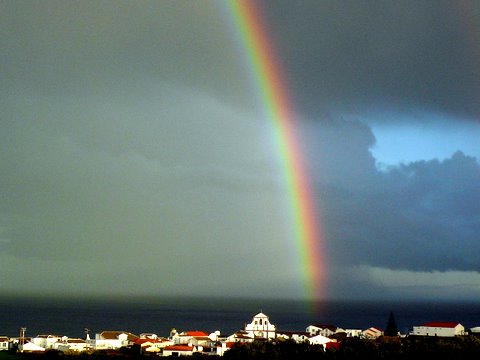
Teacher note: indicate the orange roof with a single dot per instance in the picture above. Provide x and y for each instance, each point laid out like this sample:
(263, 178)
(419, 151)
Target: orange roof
(149, 341)
(196, 333)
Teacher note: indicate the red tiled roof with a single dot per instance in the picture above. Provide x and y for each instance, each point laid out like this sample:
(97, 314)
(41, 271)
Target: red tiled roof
(196, 333)
(441, 324)
(179, 348)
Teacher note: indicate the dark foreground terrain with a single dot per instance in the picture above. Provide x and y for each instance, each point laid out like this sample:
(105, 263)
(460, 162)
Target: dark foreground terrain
(392, 348)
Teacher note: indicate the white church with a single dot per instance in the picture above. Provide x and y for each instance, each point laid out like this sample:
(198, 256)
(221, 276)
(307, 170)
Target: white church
(261, 327)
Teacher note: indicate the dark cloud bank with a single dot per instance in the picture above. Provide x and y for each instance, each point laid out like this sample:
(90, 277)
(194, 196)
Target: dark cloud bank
(370, 56)
(129, 147)
(420, 216)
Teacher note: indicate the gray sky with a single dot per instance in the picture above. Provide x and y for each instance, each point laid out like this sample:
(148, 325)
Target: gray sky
(135, 158)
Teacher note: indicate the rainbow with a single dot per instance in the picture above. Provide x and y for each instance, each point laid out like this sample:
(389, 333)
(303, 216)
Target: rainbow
(267, 72)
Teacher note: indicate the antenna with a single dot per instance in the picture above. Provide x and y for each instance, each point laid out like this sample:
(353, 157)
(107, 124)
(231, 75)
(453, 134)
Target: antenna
(22, 337)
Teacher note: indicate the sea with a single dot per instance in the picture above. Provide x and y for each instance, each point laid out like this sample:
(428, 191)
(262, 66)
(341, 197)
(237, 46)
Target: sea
(74, 317)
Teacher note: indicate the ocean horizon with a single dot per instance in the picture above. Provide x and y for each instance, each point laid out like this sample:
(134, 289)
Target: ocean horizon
(71, 316)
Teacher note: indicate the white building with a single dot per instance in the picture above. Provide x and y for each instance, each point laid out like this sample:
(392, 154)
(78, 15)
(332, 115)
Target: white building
(319, 340)
(324, 330)
(353, 332)
(4, 343)
(240, 337)
(475, 330)
(191, 337)
(30, 347)
(448, 329)
(372, 333)
(112, 340)
(296, 336)
(261, 327)
(71, 345)
(46, 341)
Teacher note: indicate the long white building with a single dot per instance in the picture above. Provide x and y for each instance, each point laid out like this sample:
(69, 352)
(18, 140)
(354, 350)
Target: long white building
(448, 329)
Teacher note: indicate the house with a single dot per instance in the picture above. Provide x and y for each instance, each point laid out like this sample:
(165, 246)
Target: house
(322, 329)
(447, 329)
(297, 336)
(112, 340)
(261, 327)
(224, 346)
(4, 343)
(179, 350)
(149, 345)
(46, 341)
(240, 337)
(475, 330)
(320, 340)
(372, 333)
(353, 332)
(30, 347)
(191, 337)
(70, 344)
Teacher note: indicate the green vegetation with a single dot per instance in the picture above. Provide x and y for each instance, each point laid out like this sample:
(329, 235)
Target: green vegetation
(391, 348)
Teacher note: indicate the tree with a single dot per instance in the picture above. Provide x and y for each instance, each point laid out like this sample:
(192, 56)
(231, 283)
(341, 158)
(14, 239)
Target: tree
(391, 329)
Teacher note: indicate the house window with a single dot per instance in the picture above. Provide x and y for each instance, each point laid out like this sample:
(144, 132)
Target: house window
(260, 321)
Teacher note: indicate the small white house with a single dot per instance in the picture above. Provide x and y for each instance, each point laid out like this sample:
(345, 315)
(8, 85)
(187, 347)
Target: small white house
(319, 340)
(46, 341)
(30, 347)
(112, 340)
(353, 332)
(191, 337)
(261, 327)
(475, 330)
(372, 333)
(447, 329)
(322, 329)
(4, 343)
(293, 335)
(240, 337)
(71, 345)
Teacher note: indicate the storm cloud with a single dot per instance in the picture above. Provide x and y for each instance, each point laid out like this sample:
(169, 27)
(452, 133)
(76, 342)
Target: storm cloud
(133, 147)
(367, 56)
